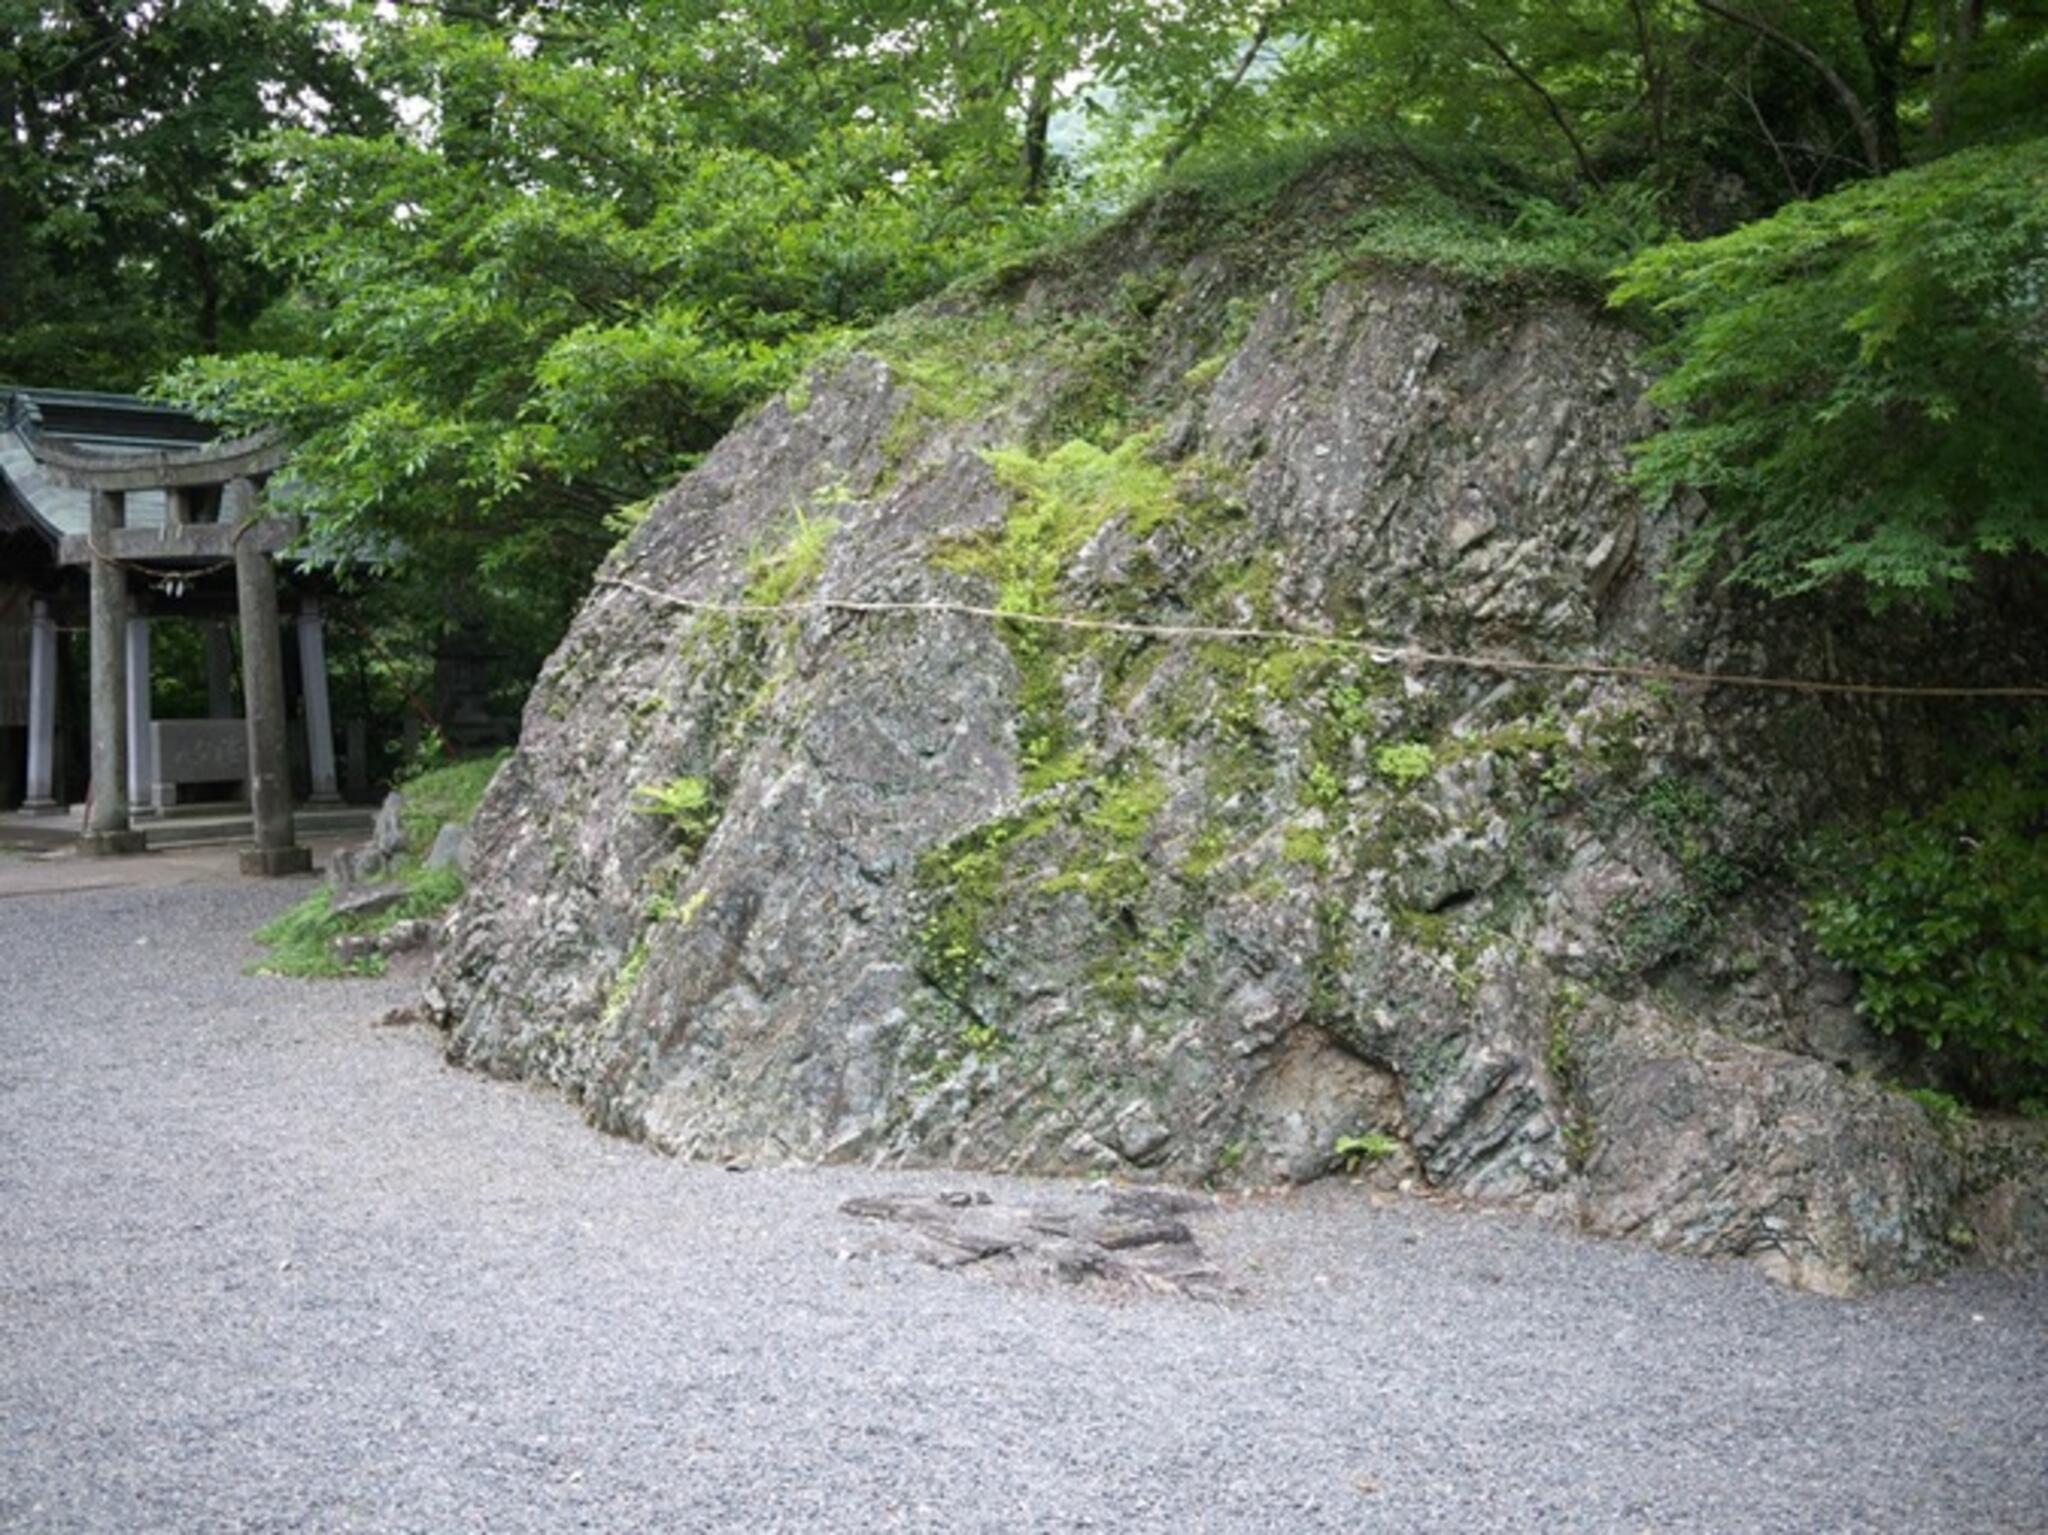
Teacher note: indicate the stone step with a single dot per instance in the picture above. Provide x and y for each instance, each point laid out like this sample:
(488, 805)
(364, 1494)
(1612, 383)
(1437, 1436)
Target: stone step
(197, 810)
(340, 822)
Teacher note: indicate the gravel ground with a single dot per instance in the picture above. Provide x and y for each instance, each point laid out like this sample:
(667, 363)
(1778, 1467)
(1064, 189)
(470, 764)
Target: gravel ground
(263, 1267)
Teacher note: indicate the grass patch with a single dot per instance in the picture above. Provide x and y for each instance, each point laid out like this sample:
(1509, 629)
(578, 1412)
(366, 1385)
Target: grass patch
(301, 940)
(441, 797)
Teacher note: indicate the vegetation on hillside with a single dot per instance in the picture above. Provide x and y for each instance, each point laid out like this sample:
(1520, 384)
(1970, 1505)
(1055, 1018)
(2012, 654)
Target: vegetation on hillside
(1943, 916)
(504, 272)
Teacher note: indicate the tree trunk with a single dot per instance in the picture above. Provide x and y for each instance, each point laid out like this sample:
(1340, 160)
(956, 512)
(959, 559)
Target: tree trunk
(1882, 49)
(1859, 114)
(1037, 127)
(1653, 78)
(1956, 28)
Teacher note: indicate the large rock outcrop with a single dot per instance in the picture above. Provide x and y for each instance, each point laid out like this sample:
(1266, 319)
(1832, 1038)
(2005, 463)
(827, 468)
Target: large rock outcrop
(923, 887)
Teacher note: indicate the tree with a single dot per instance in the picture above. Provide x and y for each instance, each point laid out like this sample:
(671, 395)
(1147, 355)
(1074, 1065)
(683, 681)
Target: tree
(122, 124)
(605, 232)
(1859, 384)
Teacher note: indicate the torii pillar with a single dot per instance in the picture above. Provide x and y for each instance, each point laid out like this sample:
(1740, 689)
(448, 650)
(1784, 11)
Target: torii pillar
(277, 850)
(106, 828)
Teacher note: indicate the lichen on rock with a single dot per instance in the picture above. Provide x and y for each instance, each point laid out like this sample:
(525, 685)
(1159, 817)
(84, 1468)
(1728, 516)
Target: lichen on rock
(986, 892)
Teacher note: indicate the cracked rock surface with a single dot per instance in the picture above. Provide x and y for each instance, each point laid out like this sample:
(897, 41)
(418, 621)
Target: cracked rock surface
(1213, 911)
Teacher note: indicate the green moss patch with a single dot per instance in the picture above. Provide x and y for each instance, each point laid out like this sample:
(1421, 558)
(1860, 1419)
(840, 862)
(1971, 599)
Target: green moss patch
(791, 568)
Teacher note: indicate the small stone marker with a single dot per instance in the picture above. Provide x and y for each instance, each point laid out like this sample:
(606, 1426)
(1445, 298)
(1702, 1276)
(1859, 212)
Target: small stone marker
(450, 849)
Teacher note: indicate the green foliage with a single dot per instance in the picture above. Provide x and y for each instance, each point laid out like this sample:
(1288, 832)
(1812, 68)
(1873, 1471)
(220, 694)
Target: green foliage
(791, 570)
(1678, 810)
(1561, 1058)
(1719, 854)
(1496, 235)
(612, 234)
(689, 804)
(1209, 848)
(1354, 1151)
(1857, 382)
(624, 981)
(441, 797)
(1948, 1112)
(664, 907)
(959, 882)
(120, 123)
(301, 940)
(1322, 787)
(1060, 501)
(1943, 916)
(1404, 764)
(1124, 809)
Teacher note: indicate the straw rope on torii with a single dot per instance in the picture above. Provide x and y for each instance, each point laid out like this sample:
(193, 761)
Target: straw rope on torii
(1382, 652)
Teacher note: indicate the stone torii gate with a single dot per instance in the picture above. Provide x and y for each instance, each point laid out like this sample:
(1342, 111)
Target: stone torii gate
(242, 536)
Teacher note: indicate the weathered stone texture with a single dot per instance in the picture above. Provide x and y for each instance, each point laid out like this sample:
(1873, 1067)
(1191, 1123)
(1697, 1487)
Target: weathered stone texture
(1551, 957)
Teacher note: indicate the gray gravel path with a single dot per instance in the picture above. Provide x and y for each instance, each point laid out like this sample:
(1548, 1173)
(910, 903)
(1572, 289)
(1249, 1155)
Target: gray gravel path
(263, 1267)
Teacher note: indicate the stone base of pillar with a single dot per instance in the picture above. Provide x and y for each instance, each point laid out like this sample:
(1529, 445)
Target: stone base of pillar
(323, 799)
(112, 844)
(40, 807)
(269, 862)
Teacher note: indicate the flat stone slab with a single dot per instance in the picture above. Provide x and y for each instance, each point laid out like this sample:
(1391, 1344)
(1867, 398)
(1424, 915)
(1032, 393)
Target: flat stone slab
(1131, 1239)
(366, 900)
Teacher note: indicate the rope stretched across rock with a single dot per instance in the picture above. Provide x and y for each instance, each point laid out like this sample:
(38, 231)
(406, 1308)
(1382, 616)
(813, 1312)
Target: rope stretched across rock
(1383, 653)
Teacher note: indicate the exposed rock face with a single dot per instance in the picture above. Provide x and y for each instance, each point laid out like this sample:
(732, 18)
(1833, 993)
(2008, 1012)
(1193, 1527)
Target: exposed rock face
(1212, 908)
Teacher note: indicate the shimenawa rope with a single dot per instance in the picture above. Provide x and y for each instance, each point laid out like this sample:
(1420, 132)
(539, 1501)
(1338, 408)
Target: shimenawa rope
(1381, 652)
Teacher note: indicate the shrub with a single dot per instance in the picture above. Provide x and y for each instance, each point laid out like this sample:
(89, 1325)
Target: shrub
(1856, 382)
(1943, 916)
